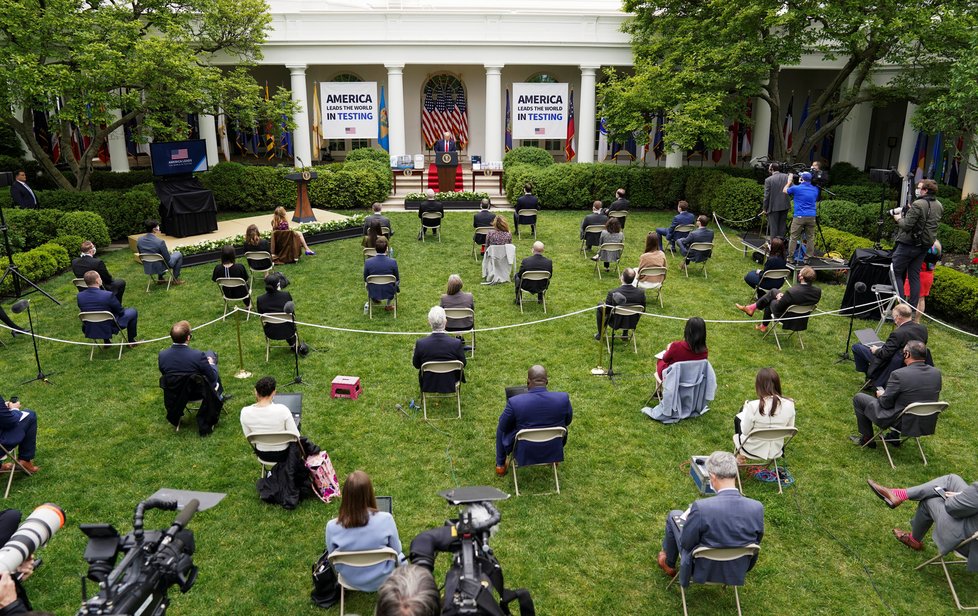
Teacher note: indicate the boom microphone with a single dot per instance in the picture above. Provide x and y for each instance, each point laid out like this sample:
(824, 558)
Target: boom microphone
(36, 530)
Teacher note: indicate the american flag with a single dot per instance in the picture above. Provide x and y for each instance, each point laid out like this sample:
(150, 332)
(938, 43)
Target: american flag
(539, 131)
(179, 154)
(351, 130)
(444, 109)
(428, 128)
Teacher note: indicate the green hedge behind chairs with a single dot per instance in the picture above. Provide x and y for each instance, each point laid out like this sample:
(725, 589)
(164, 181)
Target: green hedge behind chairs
(528, 155)
(123, 213)
(37, 265)
(29, 229)
(954, 295)
(844, 243)
(738, 200)
(381, 156)
(953, 240)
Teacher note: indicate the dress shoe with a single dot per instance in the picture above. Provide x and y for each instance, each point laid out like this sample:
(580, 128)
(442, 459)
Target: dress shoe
(859, 440)
(133, 344)
(745, 309)
(178, 281)
(389, 308)
(29, 466)
(670, 571)
(501, 470)
(884, 493)
(907, 539)
(761, 327)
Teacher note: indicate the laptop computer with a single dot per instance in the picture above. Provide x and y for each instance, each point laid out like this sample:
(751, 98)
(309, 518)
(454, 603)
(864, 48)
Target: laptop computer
(515, 391)
(385, 503)
(294, 402)
(869, 337)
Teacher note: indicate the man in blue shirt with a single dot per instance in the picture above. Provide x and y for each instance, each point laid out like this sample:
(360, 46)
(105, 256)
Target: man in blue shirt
(805, 196)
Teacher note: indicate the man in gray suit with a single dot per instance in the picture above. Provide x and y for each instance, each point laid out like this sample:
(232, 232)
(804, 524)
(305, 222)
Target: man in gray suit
(948, 504)
(151, 243)
(915, 382)
(726, 520)
(776, 202)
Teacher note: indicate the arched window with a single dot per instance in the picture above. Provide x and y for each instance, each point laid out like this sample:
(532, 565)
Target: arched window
(551, 145)
(543, 78)
(444, 108)
(347, 78)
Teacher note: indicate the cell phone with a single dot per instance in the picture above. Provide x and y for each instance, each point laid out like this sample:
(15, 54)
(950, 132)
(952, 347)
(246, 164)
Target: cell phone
(941, 492)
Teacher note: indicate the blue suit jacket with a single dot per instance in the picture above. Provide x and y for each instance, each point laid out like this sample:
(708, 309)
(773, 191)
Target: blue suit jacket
(537, 408)
(22, 196)
(378, 265)
(682, 218)
(91, 300)
(151, 243)
(698, 235)
(726, 520)
(181, 359)
(438, 347)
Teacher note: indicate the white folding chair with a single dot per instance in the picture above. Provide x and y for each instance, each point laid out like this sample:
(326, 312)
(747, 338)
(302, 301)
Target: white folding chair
(154, 257)
(459, 314)
(628, 310)
(759, 436)
(260, 257)
(887, 296)
(687, 229)
(655, 271)
(956, 558)
(359, 558)
(385, 231)
(795, 310)
(533, 225)
(618, 247)
(102, 316)
(537, 435)
(79, 283)
(433, 228)
(590, 229)
(369, 252)
(275, 440)
(476, 246)
(720, 555)
(774, 274)
(380, 279)
(917, 409)
(697, 247)
(534, 275)
(442, 367)
(15, 466)
(278, 318)
(226, 284)
(621, 215)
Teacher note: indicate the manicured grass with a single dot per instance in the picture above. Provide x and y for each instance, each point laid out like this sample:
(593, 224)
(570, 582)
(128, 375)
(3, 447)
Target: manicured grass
(104, 443)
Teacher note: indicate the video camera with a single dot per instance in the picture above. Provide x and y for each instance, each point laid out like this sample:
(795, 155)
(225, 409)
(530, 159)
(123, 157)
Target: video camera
(153, 562)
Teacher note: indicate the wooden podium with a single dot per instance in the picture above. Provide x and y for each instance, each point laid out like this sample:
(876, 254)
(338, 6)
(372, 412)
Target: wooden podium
(303, 209)
(447, 163)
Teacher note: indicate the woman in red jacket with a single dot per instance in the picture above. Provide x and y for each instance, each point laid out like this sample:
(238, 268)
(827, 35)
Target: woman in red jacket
(691, 348)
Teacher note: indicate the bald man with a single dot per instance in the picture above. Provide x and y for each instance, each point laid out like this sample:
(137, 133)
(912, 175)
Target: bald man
(538, 408)
(534, 263)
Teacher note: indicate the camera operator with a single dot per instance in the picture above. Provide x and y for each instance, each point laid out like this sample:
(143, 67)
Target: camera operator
(13, 597)
(916, 233)
(803, 221)
(820, 177)
(776, 202)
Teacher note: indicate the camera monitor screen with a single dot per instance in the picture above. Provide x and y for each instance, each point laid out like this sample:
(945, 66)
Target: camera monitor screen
(178, 157)
(385, 503)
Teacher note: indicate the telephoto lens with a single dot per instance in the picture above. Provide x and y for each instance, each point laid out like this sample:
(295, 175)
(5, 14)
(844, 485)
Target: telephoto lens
(35, 531)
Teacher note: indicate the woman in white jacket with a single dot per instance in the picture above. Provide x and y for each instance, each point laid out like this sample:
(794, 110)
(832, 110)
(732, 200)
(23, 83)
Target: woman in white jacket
(770, 410)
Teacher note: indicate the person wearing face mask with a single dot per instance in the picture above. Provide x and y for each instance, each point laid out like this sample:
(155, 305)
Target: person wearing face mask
(916, 233)
(87, 262)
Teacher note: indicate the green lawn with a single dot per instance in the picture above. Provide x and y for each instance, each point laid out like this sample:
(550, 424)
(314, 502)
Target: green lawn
(104, 443)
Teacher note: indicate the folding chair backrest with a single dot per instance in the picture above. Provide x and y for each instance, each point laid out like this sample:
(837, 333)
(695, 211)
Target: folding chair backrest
(618, 214)
(593, 229)
(79, 283)
(726, 554)
(458, 314)
(774, 274)
(151, 257)
(381, 279)
(277, 318)
(483, 230)
(231, 283)
(385, 231)
(925, 409)
(769, 435)
(442, 367)
(369, 252)
(431, 215)
(271, 439)
(700, 247)
(97, 316)
(797, 310)
(684, 229)
(653, 270)
(541, 435)
(535, 275)
(628, 310)
(363, 558)
(527, 213)
(618, 247)
(258, 256)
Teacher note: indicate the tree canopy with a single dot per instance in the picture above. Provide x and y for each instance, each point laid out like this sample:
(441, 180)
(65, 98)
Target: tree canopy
(84, 61)
(698, 62)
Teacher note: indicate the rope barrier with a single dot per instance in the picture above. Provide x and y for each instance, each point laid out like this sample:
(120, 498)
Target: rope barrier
(107, 344)
(720, 229)
(736, 222)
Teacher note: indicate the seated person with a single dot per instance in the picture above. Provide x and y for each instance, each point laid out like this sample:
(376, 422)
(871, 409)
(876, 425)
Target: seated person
(500, 235)
(151, 243)
(612, 234)
(266, 415)
(684, 217)
(280, 222)
(359, 526)
(370, 238)
(770, 410)
(378, 265)
(726, 520)
(455, 297)
(430, 205)
(180, 359)
(87, 262)
(229, 269)
(620, 204)
(699, 234)
(526, 201)
(691, 348)
(652, 257)
(482, 218)
(538, 408)
(954, 515)
(626, 294)
(536, 262)
(596, 217)
(776, 260)
(18, 429)
(438, 346)
(274, 301)
(94, 299)
(775, 302)
(410, 590)
(915, 382)
(380, 219)
(877, 362)
(254, 242)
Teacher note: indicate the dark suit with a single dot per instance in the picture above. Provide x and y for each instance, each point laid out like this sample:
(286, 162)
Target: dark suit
(619, 205)
(274, 301)
(383, 221)
(92, 300)
(876, 365)
(180, 359)
(701, 234)
(482, 218)
(625, 294)
(534, 263)
(682, 218)
(726, 520)
(381, 265)
(430, 206)
(954, 519)
(22, 195)
(443, 145)
(538, 408)
(799, 294)
(88, 263)
(17, 432)
(917, 382)
(439, 346)
(776, 204)
(594, 238)
(149, 243)
(526, 202)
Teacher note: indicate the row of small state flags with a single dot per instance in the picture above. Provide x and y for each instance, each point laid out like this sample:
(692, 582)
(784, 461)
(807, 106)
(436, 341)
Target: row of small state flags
(79, 139)
(945, 161)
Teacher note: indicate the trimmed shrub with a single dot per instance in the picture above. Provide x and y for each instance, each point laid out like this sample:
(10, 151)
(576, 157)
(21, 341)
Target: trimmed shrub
(844, 173)
(963, 214)
(946, 193)
(110, 180)
(844, 243)
(380, 156)
(71, 243)
(514, 179)
(356, 186)
(527, 155)
(565, 186)
(738, 200)
(703, 186)
(122, 212)
(58, 252)
(84, 224)
(953, 240)
(668, 186)
(955, 296)
(606, 179)
(864, 193)
(37, 265)
(844, 216)
(380, 169)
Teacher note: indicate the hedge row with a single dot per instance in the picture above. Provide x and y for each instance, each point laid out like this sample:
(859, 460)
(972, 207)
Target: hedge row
(123, 213)
(29, 229)
(40, 263)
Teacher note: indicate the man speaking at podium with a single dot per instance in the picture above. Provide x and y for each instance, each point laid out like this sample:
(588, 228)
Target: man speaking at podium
(446, 160)
(446, 143)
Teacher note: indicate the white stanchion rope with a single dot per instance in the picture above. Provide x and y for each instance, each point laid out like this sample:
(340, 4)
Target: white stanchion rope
(106, 344)
(720, 229)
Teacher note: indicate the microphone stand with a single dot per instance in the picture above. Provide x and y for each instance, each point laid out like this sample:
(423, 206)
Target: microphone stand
(298, 377)
(859, 287)
(41, 376)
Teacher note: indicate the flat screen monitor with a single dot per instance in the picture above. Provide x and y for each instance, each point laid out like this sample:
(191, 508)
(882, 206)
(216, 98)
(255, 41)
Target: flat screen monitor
(178, 157)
